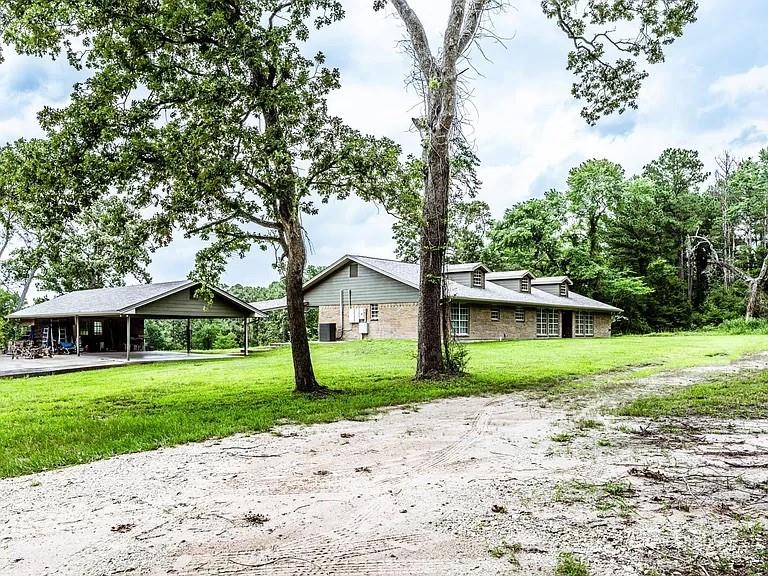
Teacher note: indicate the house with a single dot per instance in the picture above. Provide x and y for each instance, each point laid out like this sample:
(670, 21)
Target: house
(112, 319)
(360, 297)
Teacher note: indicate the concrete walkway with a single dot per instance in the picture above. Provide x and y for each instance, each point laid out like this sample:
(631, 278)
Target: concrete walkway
(19, 367)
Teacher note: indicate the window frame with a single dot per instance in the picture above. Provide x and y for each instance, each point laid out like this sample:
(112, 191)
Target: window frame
(374, 312)
(495, 311)
(100, 331)
(353, 270)
(478, 280)
(519, 314)
(525, 284)
(548, 323)
(584, 324)
(459, 316)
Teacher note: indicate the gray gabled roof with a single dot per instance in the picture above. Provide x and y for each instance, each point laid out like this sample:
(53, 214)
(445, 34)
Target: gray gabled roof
(492, 293)
(115, 301)
(508, 275)
(550, 280)
(271, 305)
(470, 267)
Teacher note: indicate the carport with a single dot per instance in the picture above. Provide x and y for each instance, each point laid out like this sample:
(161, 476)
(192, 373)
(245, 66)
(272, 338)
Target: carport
(112, 319)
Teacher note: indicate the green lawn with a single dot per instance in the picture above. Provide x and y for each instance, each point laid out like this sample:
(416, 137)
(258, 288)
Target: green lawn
(52, 421)
(743, 396)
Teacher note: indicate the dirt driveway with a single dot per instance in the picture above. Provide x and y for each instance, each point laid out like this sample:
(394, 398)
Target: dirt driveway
(488, 485)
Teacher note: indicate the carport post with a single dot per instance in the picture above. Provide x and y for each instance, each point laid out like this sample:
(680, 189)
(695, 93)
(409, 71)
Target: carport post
(127, 338)
(245, 336)
(77, 334)
(189, 336)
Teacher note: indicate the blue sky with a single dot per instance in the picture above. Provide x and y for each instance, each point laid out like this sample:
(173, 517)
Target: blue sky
(709, 95)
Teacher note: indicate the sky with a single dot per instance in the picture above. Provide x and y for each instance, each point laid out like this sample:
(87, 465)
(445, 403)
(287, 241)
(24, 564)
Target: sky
(710, 94)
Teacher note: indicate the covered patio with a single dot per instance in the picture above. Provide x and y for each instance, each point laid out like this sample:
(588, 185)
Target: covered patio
(108, 323)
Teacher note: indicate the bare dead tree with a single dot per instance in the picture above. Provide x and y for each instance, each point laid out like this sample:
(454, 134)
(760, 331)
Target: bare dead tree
(754, 283)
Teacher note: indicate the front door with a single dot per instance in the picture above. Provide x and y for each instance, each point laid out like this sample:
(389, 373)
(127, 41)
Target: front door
(567, 324)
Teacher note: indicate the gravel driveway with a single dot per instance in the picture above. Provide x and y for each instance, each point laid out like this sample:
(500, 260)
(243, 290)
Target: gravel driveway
(461, 486)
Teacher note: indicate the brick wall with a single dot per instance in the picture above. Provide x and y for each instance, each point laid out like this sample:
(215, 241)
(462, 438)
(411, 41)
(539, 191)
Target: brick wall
(400, 321)
(602, 325)
(396, 321)
(481, 327)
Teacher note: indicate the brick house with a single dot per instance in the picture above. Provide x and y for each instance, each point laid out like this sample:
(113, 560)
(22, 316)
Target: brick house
(360, 297)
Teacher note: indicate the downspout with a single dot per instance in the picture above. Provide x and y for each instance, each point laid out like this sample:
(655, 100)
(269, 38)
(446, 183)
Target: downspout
(340, 333)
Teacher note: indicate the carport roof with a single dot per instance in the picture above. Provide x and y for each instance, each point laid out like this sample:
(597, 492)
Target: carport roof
(117, 301)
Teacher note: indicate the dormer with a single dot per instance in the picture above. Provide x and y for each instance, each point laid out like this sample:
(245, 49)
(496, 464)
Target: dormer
(517, 280)
(472, 275)
(556, 285)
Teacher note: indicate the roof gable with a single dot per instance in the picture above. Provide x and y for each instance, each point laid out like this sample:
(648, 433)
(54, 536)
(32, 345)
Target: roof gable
(117, 300)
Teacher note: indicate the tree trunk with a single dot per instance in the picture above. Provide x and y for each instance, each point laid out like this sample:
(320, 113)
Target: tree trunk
(296, 259)
(25, 290)
(434, 238)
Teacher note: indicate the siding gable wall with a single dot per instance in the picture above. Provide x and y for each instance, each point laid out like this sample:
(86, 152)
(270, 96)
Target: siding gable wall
(370, 287)
(182, 306)
(509, 284)
(464, 278)
(550, 288)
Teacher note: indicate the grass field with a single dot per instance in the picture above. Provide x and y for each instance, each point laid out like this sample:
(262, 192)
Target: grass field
(743, 396)
(53, 421)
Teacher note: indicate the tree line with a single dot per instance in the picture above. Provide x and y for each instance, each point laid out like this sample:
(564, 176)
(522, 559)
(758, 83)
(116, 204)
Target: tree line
(674, 246)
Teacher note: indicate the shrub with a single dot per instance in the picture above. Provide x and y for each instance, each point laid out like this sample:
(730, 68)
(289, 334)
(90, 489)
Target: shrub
(743, 326)
(225, 342)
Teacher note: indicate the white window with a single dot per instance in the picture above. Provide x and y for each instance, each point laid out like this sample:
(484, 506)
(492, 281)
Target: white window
(547, 323)
(585, 323)
(460, 319)
(98, 328)
(519, 314)
(477, 278)
(495, 313)
(525, 284)
(374, 312)
(564, 289)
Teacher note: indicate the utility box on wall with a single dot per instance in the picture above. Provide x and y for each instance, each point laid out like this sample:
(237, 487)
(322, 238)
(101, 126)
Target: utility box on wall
(363, 327)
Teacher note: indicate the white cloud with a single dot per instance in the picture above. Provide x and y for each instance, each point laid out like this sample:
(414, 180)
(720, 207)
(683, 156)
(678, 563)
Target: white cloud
(751, 84)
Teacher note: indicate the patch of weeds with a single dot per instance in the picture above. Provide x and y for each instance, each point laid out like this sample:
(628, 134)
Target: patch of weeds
(588, 424)
(571, 492)
(508, 551)
(35, 483)
(616, 488)
(562, 437)
(626, 429)
(256, 519)
(568, 564)
(753, 532)
(604, 442)
(609, 496)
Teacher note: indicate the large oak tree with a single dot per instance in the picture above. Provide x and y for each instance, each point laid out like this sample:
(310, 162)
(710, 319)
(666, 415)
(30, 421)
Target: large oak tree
(212, 119)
